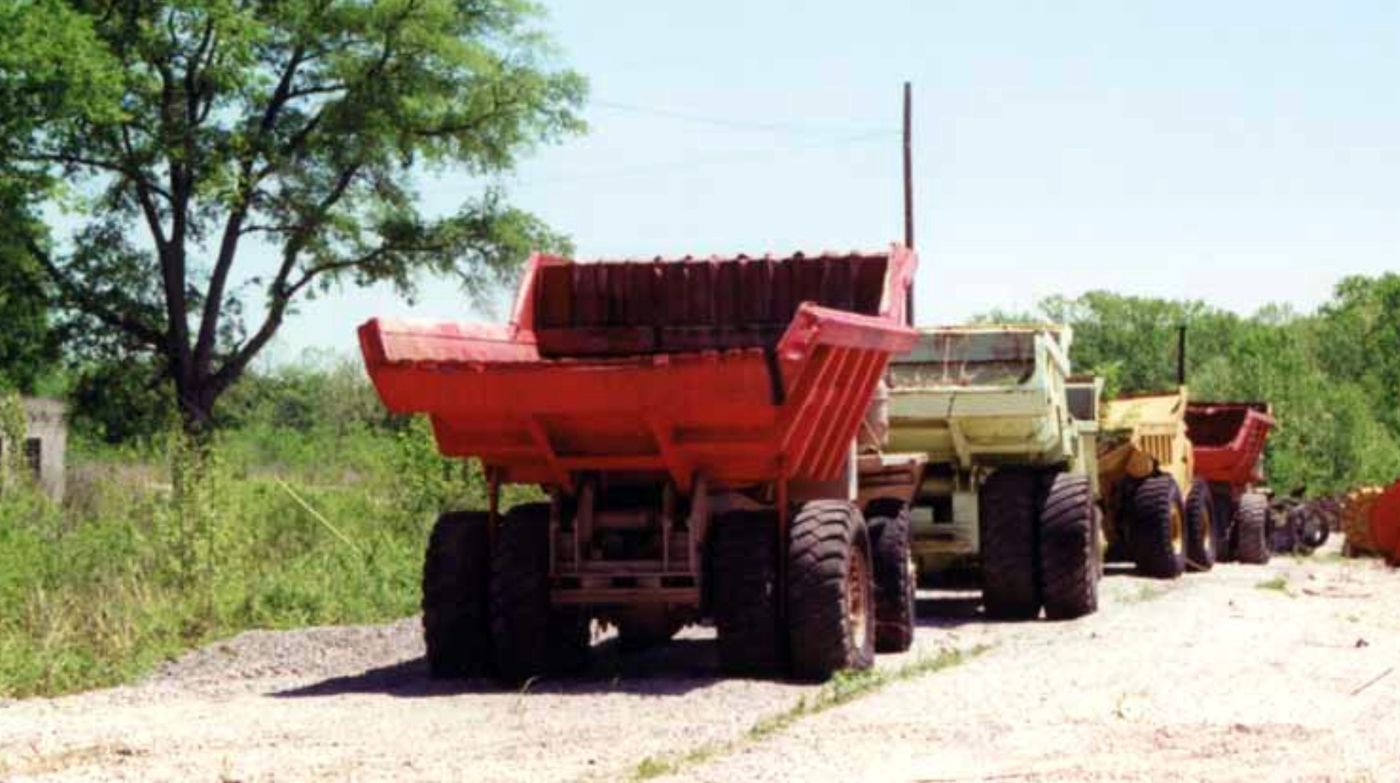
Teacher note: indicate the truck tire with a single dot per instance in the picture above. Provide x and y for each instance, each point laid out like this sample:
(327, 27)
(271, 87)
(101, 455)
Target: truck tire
(1201, 534)
(1159, 528)
(830, 591)
(531, 638)
(1224, 520)
(456, 587)
(1007, 521)
(1251, 534)
(744, 593)
(1313, 529)
(1069, 549)
(896, 579)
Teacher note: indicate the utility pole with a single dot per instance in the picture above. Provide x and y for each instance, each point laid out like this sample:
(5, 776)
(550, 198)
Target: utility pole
(1181, 355)
(908, 198)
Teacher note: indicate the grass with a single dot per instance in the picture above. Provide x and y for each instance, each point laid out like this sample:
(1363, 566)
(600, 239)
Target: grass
(844, 688)
(1278, 584)
(155, 551)
(1144, 593)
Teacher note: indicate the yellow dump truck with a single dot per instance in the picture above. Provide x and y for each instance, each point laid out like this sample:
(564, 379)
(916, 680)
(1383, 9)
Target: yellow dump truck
(1005, 452)
(1158, 514)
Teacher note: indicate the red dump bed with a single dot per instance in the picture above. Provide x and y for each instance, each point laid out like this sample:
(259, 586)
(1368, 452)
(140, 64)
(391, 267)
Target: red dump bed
(1229, 439)
(1385, 523)
(742, 369)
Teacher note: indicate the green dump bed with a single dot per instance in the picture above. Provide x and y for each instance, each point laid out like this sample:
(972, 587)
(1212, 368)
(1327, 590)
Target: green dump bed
(984, 396)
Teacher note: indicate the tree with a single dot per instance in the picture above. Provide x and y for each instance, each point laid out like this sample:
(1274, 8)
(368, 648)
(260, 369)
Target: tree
(182, 134)
(27, 345)
(1331, 376)
(1361, 326)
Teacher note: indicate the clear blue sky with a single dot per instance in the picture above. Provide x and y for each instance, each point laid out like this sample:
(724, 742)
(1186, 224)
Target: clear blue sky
(1240, 153)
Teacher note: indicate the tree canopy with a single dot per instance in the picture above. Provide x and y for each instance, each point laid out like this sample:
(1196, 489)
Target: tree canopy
(1333, 376)
(178, 135)
(28, 346)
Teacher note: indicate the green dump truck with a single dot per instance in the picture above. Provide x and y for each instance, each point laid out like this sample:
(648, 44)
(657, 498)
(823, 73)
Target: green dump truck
(1008, 483)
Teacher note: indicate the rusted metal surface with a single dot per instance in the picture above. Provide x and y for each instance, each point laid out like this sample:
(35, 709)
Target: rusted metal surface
(984, 395)
(1356, 520)
(624, 308)
(707, 386)
(889, 477)
(1229, 440)
(1385, 523)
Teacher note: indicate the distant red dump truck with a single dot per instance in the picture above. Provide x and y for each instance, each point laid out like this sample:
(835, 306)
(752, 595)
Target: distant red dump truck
(1228, 447)
(692, 423)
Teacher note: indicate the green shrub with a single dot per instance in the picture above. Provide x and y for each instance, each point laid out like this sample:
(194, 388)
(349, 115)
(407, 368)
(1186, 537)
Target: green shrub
(160, 548)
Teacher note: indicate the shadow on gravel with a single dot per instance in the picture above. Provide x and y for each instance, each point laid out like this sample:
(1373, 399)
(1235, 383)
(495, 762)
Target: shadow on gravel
(948, 610)
(671, 669)
(1119, 569)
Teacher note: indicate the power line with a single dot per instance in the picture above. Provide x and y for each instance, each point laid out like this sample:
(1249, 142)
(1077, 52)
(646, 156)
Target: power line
(693, 163)
(739, 125)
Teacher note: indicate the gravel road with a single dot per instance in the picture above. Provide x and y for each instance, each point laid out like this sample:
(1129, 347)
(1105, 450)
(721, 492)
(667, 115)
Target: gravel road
(1221, 676)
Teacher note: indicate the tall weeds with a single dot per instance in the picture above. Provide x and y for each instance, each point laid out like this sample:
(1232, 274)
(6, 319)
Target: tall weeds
(160, 548)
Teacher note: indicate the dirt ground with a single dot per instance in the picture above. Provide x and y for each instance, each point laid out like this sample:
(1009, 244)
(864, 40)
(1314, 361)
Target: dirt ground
(1281, 672)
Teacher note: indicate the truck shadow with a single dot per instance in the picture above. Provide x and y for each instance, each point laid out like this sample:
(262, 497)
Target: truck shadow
(941, 609)
(673, 669)
(683, 665)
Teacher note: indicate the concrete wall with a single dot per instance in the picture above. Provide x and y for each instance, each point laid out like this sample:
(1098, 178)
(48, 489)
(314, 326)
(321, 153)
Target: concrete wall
(47, 430)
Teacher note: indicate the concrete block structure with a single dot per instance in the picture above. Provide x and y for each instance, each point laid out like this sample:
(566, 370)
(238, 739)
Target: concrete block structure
(45, 444)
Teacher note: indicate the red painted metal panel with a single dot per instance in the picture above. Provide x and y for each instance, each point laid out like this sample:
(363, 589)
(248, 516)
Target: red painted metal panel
(1385, 523)
(1228, 439)
(729, 367)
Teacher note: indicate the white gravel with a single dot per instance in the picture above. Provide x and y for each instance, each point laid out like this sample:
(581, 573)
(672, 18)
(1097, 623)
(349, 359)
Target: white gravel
(1209, 677)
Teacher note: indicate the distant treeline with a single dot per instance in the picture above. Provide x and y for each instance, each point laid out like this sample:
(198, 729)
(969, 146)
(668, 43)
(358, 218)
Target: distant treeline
(1333, 376)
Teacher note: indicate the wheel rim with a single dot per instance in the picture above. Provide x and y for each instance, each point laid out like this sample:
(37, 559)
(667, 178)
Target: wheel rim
(858, 598)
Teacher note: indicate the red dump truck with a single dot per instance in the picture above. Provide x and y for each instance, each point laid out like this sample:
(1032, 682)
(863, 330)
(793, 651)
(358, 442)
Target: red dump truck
(1228, 447)
(692, 424)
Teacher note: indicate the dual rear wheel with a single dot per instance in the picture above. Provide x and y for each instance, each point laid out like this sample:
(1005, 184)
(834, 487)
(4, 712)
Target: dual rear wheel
(487, 609)
(840, 579)
(1039, 545)
(1168, 535)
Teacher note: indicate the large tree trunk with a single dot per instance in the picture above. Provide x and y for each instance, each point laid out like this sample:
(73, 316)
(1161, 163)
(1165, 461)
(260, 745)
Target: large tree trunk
(196, 397)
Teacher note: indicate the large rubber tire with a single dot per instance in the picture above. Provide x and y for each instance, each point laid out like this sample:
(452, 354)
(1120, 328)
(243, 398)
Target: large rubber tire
(896, 578)
(456, 596)
(1069, 548)
(1313, 529)
(1007, 522)
(1225, 513)
(1159, 528)
(531, 638)
(830, 591)
(1252, 529)
(1202, 538)
(744, 593)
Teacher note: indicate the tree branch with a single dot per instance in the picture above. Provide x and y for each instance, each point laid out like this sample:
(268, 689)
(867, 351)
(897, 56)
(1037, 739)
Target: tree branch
(143, 196)
(90, 304)
(68, 159)
(233, 228)
(280, 294)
